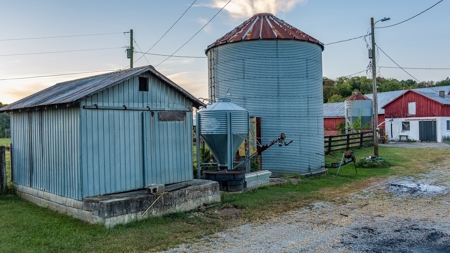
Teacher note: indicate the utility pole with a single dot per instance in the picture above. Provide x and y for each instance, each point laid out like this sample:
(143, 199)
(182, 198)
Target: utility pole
(374, 100)
(131, 48)
(374, 80)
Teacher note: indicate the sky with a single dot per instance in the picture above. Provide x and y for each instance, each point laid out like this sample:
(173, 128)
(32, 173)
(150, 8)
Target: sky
(422, 42)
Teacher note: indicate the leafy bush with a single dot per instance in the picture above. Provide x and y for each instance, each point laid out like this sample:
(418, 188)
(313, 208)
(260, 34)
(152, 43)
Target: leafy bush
(373, 163)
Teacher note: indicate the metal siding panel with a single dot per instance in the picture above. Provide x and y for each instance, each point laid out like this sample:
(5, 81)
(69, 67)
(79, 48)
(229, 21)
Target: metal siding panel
(119, 149)
(285, 90)
(54, 170)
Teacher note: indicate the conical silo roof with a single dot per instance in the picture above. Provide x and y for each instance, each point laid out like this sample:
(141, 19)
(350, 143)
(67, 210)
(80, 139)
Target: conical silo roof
(264, 26)
(357, 96)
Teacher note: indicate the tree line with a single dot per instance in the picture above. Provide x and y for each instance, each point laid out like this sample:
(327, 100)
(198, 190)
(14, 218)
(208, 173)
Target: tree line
(340, 89)
(4, 123)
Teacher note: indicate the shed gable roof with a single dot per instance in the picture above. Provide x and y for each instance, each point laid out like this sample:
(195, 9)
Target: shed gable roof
(76, 90)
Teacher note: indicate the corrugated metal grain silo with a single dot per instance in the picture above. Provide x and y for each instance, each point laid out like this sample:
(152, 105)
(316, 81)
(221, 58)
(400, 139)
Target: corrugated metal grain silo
(274, 70)
(356, 106)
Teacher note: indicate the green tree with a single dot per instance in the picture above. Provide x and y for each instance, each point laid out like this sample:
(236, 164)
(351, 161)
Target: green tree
(336, 98)
(4, 123)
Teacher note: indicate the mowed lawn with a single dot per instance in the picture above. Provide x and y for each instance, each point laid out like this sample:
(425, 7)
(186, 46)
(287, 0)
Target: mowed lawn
(25, 227)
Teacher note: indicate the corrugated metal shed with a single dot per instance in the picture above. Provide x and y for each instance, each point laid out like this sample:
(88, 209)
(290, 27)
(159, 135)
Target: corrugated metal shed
(116, 136)
(73, 91)
(264, 26)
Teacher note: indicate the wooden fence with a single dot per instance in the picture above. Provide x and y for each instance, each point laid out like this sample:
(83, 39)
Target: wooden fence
(344, 142)
(2, 169)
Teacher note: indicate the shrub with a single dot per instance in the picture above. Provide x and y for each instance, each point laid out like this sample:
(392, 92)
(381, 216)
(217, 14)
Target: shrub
(373, 163)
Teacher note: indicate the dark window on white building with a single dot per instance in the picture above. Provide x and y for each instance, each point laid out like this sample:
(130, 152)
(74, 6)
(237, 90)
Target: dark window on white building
(448, 124)
(405, 126)
(143, 84)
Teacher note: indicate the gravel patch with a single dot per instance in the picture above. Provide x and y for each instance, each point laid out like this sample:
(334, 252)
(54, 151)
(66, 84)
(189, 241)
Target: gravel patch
(395, 215)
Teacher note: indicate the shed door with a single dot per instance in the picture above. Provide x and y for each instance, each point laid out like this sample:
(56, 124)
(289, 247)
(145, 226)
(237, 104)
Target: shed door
(427, 131)
(167, 147)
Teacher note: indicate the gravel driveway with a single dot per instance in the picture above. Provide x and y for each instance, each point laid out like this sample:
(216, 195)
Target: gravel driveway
(393, 215)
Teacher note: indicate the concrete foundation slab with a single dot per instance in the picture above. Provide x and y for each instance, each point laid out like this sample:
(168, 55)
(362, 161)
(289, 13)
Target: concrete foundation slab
(257, 178)
(125, 207)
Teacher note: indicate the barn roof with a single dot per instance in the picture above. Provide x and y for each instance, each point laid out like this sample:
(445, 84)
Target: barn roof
(334, 110)
(432, 94)
(264, 26)
(73, 91)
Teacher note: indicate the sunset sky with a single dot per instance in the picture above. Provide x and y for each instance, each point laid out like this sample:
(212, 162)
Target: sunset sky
(27, 51)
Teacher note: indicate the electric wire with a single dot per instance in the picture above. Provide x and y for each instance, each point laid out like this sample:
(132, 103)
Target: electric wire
(357, 73)
(397, 63)
(166, 31)
(57, 52)
(410, 17)
(141, 50)
(65, 74)
(391, 67)
(62, 36)
(194, 34)
(340, 41)
(175, 56)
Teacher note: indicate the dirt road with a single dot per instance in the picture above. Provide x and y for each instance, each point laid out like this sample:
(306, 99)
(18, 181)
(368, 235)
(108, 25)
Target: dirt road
(407, 214)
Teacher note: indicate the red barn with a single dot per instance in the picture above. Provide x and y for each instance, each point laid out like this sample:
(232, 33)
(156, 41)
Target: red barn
(419, 115)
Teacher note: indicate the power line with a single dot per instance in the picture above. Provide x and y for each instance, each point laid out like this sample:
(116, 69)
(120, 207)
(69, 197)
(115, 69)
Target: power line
(340, 41)
(397, 64)
(66, 74)
(166, 31)
(410, 17)
(390, 67)
(194, 34)
(141, 50)
(62, 36)
(57, 52)
(357, 72)
(177, 56)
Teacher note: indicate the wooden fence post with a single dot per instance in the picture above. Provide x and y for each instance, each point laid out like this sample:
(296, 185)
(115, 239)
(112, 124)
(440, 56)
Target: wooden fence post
(11, 162)
(2, 169)
(329, 144)
(348, 142)
(360, 139)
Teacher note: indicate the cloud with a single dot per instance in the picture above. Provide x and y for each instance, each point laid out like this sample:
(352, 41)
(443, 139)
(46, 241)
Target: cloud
(203, 21)
(190, 81)
(247, 8)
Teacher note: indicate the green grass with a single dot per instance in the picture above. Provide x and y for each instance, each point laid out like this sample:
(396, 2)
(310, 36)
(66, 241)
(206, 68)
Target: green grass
(25, 227)
(5, 141)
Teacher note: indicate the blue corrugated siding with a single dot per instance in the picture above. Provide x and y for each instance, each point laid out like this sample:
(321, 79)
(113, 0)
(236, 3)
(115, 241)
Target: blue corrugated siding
(46, 150)
(281, 82)
(167, 149)
(113, 143)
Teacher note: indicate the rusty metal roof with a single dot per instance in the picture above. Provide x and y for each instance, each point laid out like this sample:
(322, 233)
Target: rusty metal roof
(264, 26)
(73, 91)
(357, 96)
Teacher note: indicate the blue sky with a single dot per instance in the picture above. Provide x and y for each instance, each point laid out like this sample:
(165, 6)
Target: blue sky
(422, 42)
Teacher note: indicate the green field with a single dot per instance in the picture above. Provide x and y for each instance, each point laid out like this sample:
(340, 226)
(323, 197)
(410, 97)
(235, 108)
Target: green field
(5, 141)
(25, 227)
